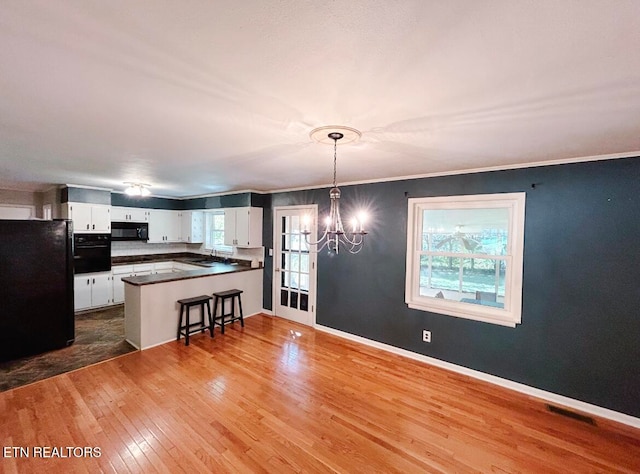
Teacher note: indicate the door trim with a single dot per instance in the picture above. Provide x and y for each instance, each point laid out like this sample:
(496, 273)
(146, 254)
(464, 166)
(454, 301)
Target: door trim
(274, 275)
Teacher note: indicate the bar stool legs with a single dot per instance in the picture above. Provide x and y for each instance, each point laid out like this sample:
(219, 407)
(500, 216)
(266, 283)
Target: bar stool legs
(223, 296)
(187, 328)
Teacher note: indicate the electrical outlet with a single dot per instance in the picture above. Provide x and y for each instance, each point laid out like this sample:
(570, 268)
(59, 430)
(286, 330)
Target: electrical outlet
(426, 336)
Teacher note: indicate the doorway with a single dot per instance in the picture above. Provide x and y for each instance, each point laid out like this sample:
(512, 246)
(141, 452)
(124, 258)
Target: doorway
(294, 266)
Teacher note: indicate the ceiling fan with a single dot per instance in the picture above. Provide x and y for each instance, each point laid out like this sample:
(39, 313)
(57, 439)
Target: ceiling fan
(467, 242)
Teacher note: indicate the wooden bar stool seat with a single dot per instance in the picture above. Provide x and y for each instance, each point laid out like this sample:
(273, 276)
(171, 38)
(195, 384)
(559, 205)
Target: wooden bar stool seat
(229, 317)
(185, 328)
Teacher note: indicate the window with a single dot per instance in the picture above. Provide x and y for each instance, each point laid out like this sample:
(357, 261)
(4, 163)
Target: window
(214, 232)
(464, 256)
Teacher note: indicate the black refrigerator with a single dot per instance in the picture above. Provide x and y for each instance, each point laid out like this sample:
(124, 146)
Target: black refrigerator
(36, 287)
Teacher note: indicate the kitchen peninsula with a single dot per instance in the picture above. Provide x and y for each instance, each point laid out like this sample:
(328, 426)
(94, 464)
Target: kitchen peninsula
(151, 308)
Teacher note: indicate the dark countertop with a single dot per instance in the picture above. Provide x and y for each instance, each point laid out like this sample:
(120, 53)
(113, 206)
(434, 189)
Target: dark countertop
(216, 269)
(210, 266)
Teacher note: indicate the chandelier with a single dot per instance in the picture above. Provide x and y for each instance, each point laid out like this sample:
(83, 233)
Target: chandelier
(334, 232)
(137, 189)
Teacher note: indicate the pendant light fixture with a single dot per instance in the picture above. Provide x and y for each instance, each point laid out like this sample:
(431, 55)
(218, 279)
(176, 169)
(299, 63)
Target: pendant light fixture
(334, 232)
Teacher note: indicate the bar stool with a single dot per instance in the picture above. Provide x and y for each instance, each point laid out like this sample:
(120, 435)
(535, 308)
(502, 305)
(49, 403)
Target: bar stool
(222, 296)
(188, 327)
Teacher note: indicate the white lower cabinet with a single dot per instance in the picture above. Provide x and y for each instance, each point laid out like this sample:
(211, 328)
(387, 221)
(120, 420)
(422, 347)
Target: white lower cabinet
(139, 269)
(181, 267)
(119, 272)
(122, 271)
(163, 267)
(92, 290)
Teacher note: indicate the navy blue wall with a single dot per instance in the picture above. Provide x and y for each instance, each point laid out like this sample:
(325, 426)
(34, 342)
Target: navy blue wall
(149, 202)
(211, 202)
(581, 288)
(87, 195)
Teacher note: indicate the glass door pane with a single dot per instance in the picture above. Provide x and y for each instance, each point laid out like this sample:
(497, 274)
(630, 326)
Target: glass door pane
(296, 266)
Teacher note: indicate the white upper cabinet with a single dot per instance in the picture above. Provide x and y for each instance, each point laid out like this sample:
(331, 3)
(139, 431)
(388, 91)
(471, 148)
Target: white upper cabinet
(164, 226)
(243, 226)
(193, 227)
(88, 218)
(129, 214)
(174, 233)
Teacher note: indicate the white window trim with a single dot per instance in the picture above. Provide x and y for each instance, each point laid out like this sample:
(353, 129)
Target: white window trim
(511, 314)
(221, 249)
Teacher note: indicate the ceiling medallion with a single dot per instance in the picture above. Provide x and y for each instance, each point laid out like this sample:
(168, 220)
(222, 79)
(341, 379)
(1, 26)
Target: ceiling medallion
(322, 134)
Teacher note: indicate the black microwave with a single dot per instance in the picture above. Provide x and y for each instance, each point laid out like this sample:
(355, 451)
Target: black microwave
(129, 231)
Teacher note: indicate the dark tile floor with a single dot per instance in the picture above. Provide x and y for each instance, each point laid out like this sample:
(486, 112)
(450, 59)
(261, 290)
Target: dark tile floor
(99, 336)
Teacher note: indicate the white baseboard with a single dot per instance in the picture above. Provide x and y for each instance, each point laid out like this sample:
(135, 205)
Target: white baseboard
(134, 345)
(518, 387)
(173, 339)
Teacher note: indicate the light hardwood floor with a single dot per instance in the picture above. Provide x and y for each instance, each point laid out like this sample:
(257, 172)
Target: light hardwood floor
(281, 397)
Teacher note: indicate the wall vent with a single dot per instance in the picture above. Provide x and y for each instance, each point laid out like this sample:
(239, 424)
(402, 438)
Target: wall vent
(571, 414)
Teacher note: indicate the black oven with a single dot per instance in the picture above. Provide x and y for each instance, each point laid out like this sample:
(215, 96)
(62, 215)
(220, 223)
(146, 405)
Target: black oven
(130, 231)
(91, 253)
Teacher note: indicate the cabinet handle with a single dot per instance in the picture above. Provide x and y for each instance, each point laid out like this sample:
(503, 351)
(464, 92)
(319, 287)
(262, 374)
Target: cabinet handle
(94, 227)
(87, 226)
(94, 281)
(88, 281)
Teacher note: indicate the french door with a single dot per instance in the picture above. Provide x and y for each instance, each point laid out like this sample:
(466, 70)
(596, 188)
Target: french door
(294, 266)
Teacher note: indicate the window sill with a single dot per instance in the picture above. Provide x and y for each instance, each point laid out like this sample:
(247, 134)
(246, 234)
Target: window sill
(463, 310)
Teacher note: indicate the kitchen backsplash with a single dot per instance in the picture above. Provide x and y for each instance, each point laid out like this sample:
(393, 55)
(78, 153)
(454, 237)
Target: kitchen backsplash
(122, 249)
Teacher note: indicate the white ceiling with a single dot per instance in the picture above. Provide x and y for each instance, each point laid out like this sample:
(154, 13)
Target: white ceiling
(200, 97)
